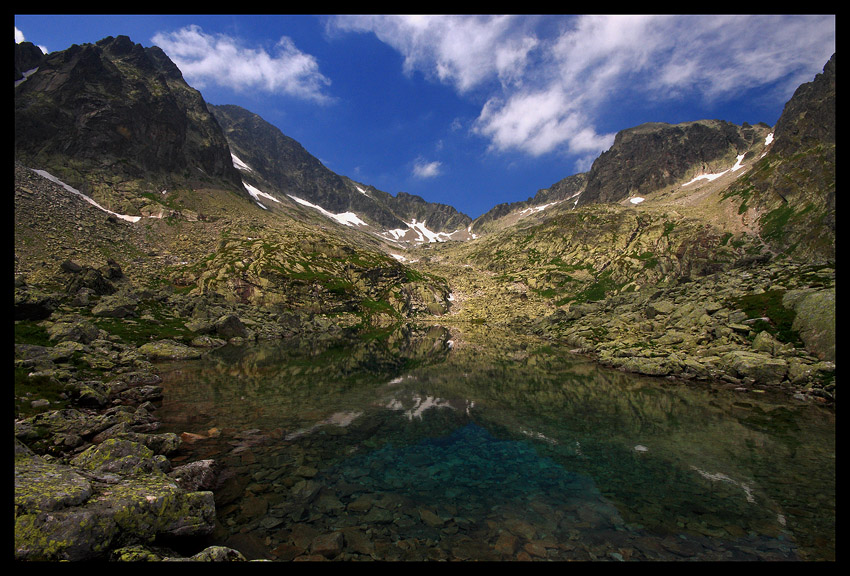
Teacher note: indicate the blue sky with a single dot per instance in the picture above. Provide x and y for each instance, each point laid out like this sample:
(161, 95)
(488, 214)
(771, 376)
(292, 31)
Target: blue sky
(472, 110)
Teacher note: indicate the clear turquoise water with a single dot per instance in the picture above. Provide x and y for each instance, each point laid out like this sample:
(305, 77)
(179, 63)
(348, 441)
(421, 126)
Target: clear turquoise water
(497, 448)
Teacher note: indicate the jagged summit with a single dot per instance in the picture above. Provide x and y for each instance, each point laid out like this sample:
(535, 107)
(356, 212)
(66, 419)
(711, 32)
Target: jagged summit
(651, 156)
(115, 120)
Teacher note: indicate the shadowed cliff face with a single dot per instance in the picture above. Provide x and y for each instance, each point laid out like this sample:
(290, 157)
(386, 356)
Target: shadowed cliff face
(115, 116)
(651, 156)
(794, 186)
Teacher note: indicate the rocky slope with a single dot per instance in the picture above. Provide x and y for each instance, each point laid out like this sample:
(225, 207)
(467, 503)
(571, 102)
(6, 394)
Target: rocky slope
(279, 166)
(116, 121)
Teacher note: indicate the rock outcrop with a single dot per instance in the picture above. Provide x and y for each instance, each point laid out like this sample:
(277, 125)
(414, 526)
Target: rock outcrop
(125, 116)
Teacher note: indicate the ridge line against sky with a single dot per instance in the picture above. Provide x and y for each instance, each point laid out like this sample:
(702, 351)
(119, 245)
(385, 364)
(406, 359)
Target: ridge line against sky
(472, 110)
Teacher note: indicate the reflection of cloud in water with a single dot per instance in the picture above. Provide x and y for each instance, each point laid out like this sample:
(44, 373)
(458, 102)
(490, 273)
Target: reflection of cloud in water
(341, 419)
(720, 477)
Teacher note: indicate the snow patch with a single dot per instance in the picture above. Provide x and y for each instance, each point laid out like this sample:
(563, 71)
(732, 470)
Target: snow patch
(767, 142)
(256, 194)
(577, 195)
(239, 164)
(421, 231)
(56, 180)
(347, 218)
(26, 75)
(738, 164)
(711, 177)
(534, 209)
(636, 200)
(402, 259)
(361, 190)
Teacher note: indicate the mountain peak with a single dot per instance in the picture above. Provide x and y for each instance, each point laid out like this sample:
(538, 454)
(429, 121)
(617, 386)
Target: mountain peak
(125, 116)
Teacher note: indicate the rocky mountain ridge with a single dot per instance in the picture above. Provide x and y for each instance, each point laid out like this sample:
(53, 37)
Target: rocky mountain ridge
(276, 165)
(117, 121)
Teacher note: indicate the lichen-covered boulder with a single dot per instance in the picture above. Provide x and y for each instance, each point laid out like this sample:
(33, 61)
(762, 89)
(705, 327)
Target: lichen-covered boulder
(814, 319)
(75, 329)
(111, 495)
(168, 350)
(762, 368)
(58, 431)
(44, 485)
(139, 553)
(119, 305)
(116, 456)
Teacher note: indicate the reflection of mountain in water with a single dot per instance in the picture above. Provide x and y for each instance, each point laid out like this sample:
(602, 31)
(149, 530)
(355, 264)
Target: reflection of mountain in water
(508, 420)
(292, 382)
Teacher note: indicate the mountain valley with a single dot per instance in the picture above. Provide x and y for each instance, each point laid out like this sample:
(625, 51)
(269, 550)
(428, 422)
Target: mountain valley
(150, 225)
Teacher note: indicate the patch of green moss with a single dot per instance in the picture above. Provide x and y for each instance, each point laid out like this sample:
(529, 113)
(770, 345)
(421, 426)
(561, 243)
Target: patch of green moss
(768, 305)
(139, 331)
(773, 223)
(28, 332)
(29, 388)
(598, 290)
(648, 258)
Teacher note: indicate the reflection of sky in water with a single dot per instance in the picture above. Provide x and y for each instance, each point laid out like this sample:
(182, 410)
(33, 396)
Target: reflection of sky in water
(468, 466)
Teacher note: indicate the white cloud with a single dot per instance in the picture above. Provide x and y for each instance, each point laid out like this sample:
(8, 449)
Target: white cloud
(217, 58)
(424, 169)
(551, 80)
(19, 37)
(539, 122)
(464, 50)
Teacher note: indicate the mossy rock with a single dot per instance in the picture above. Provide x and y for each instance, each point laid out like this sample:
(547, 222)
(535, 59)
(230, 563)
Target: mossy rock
(814, 320)
(44, 486)
(127, 498)
(168, 350)
(762, 368)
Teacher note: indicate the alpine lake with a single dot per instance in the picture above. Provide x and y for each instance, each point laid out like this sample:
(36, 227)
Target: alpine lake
(472, 444)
